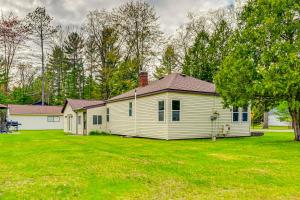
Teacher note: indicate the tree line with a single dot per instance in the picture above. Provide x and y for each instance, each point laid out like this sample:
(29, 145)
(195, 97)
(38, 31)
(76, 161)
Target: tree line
(104, 56)
(250, 52)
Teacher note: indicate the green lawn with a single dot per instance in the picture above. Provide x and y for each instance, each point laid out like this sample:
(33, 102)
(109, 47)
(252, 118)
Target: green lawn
(273, 127)
(51, 165)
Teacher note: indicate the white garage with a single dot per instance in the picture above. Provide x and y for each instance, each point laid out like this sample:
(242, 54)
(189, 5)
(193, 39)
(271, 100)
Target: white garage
(36, 117)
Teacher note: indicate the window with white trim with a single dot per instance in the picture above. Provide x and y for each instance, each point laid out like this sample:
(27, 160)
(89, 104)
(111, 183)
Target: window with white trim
(235, 114)
(53, 119)
(97, 119)
(130, 109)
(175, 110)
(161, 111)
(245, 114)
(107, 114)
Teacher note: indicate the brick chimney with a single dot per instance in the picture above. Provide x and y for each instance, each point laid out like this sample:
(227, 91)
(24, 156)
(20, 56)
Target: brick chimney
(143, 79)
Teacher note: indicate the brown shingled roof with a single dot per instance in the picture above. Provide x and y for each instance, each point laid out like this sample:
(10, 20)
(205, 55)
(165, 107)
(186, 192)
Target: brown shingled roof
(77, 104)
(34, 110)
(174, 82)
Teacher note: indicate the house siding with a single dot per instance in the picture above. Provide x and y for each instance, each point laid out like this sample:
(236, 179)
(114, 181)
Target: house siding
(36, 122)
(147, 124)
(96, 111)
(68, 111)
(195, 122)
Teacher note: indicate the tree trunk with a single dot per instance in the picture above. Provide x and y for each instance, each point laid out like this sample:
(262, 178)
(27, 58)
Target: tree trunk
(266, 120)
(43, 69)
(295, 113)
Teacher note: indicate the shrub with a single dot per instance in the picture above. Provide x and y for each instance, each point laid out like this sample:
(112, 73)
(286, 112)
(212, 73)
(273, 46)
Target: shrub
(103, 133)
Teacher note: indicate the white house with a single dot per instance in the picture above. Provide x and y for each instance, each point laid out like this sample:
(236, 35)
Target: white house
(35, 117)
(273, 120)
(174, 107)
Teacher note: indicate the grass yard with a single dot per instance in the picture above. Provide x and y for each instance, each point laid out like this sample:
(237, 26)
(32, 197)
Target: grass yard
(51, 165)
(273, 127)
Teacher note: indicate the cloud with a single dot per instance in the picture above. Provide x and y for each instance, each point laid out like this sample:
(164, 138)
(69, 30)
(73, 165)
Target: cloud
(172, 13)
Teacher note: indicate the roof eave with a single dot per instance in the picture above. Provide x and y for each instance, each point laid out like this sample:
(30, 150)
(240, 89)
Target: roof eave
(165, 90)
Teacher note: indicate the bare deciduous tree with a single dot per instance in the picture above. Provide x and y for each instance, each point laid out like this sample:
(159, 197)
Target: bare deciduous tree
(40, 24)
(140, 30)
(13, 35)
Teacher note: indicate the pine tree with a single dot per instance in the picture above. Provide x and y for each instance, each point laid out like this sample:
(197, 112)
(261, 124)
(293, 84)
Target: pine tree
(74, 46)
(56, 72)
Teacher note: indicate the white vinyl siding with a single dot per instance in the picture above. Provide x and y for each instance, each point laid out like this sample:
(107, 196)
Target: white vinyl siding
(196, 110)
(146, 118)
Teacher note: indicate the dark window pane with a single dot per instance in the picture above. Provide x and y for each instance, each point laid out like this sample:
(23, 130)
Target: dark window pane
(245, 117)
(130, 109)
(107, 111)
(161, 116)
(99, 119)
(175, 115)
(94, 119)
(175, 105)
(161, 105)
(235, 117)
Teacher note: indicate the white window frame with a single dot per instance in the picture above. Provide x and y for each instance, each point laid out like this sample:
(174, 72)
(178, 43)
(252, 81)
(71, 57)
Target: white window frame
(54, 118)
(130, 109)
(242, 116)
(235, 112)
(97, 120)
(180, 105)
(107, 115)
(159, 111)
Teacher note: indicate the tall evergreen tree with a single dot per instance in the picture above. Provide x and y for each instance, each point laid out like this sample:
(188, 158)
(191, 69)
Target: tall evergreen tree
(56, 75)
(74, 50)
(169, 63)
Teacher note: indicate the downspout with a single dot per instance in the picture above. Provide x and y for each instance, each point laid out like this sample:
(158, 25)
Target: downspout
(135, 113)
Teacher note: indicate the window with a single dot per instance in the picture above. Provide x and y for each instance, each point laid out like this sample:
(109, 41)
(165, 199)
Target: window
(161, 111)
(175, 110)
(107, 114)
(79, 120)
(97, 119)
(53, 119)
(130, 109)
(245, 114)
(235, 114)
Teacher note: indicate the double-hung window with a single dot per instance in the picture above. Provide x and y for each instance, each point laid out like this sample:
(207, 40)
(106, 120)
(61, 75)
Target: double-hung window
(53, 119)
(130, 109)
(97, 119)
(235, 114)
(161, 111)
(175, 110)
(107, 114)
(245, 114)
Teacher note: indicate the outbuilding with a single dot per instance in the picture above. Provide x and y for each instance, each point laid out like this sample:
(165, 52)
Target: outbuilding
(36, 117)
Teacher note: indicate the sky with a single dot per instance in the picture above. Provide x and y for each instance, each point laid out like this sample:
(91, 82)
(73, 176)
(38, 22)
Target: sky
(172, 13)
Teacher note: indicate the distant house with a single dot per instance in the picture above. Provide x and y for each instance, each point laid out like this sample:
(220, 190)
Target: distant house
(35, 117)
(174, 107)
(273, 120)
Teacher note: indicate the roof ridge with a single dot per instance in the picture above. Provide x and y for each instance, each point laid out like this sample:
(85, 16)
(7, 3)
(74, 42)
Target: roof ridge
(173, 78)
